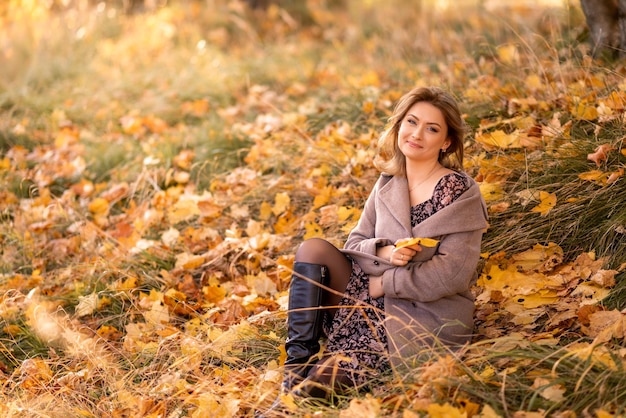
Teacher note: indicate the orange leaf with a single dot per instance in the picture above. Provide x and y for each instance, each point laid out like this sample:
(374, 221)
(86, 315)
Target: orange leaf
(214, 293)
(600, 154)
(196, 108)
(99, 206)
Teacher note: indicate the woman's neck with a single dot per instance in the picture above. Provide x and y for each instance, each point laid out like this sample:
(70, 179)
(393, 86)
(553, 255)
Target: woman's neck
(420, 174)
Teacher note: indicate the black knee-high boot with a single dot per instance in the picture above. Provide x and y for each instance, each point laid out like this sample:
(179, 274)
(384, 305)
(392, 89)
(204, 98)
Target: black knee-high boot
(304, 326)
(304, 321)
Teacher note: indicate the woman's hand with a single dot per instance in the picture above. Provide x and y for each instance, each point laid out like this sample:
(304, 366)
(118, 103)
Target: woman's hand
(398, 256)
(376, 286)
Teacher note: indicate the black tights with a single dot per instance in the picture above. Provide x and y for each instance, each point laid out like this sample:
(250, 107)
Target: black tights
(320, 251)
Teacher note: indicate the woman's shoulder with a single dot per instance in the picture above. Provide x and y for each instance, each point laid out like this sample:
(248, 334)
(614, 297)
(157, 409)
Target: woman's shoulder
(450, 186)
(455, 178)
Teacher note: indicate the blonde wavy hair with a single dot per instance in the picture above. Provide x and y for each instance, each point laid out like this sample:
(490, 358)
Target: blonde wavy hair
(389, 159)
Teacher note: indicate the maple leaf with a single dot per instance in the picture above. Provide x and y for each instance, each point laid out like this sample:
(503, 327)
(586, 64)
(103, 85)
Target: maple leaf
(500, 140)
(214, 293)
(548, 390)
(426, 242)
(540, 258)
(595, 354)
(196, 108)
(281, 203)
(584, 111)
(616, 100)
(209, 404)
(132, 124)
(600, 154)
(322, 197)
(158, 313)
(445, 411)
(369, 407)
(593, 175)
(183, 210)
(99, 206)
(548, 202)
(189, 261)
(87, 304)
(491, 191)
(34, 374)
(606, 325)
(262, 284)
(602, 178)
(313, 230)
(508, 54)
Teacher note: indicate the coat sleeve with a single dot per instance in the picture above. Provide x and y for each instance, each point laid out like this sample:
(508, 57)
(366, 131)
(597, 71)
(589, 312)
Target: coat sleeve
(363, 237)
(448, 272)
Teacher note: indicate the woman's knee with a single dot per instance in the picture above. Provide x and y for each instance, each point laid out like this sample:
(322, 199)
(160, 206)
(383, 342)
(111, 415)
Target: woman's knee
(315, 251)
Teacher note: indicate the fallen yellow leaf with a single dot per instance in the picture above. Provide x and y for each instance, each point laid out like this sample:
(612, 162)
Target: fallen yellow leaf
(282, 202)
(500, 140)
(584, 111)
(491, 191)
(508, 54)
(548, 201)
(99, 206)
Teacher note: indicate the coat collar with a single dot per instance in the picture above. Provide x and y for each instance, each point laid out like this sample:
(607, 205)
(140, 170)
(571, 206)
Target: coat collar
(394, 195)
(460, 215)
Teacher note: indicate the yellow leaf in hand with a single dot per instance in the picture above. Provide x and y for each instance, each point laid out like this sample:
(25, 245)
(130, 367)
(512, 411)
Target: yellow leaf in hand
(424, 242)
(548, 201)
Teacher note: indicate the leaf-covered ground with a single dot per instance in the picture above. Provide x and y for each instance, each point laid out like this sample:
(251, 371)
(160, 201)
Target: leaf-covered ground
(158, 170)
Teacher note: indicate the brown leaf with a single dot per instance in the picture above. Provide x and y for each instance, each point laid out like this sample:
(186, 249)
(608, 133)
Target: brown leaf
(600, 154)
(585, 312)
(605, 325)
(604, 278)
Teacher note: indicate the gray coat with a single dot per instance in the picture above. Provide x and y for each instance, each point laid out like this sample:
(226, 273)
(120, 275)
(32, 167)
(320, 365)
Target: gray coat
(430, 295)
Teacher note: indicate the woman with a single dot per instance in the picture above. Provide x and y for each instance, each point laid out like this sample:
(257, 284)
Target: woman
(379, 304)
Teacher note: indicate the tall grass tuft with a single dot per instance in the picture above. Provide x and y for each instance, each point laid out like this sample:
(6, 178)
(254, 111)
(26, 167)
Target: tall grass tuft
(517, 375)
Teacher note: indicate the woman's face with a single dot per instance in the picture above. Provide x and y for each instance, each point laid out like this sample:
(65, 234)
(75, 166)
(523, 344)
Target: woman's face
(423, 133)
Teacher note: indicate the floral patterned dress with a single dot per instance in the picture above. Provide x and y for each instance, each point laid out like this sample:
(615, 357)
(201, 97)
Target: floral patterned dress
(356, 331)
